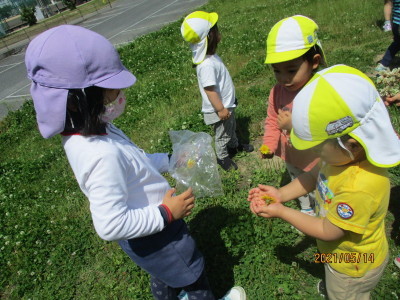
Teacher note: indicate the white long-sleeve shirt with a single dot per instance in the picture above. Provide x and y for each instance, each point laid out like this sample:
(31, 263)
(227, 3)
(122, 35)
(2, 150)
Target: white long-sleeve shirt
(123, 183)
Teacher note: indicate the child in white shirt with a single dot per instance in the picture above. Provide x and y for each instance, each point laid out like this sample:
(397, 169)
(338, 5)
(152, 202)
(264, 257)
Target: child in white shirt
(215, 83)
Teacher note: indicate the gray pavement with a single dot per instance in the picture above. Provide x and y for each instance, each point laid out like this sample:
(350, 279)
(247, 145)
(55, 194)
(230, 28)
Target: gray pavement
(120, 24)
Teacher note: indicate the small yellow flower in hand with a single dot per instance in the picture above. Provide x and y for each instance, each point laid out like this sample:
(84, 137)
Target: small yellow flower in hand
(268, 199)
(264, 149)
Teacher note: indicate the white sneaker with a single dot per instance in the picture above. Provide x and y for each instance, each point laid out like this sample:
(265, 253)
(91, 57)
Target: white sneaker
(382, 68)
(321, 288)
(387, 26)
(183, 295)
(235, 293)
(308, 211)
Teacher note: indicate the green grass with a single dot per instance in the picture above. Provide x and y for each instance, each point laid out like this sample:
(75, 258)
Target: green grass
(48, 247)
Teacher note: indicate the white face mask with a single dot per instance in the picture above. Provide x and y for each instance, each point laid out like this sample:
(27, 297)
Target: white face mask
(114, 109)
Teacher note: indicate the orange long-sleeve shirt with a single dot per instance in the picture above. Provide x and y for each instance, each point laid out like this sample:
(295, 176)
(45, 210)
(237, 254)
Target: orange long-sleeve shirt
(278, 140)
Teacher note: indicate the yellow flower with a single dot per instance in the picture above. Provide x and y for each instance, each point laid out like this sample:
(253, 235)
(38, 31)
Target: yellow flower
(190, 163)
(264, 149)
(268, 199)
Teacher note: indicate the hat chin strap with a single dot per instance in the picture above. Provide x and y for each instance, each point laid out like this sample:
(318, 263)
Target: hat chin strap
(343, 147)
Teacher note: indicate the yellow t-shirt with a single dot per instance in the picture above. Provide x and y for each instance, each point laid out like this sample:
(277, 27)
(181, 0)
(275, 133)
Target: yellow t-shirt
(354, 198)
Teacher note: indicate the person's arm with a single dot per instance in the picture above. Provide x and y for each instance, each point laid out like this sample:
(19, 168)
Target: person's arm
(395, 100)
(216, 102)
(271, 130)
(160, 161)
(284, 120)
(106, 184)
(319, 228)
(300, 186)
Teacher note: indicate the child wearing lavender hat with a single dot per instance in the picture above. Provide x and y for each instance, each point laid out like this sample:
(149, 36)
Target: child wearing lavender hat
(77, 89)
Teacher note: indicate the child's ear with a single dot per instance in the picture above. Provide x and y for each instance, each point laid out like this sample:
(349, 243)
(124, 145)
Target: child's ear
(354, 146)
(316, 61)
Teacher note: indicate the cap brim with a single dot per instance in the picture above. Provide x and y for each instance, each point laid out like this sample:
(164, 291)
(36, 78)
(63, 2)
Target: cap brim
(278, 57)
(213, 18)
(301, 144)
(121, 80)
(378, 138)
(199, 51)
(50, 106)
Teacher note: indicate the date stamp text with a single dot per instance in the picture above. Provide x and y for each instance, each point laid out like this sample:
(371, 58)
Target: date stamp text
(348, 258)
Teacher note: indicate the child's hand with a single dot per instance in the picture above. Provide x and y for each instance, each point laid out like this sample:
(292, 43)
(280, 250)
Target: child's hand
(224, 114)
(267, 156)
(266, 211)
(392, 100)
(265, 152)
(180, 205)
(284, 120)
(256, 194)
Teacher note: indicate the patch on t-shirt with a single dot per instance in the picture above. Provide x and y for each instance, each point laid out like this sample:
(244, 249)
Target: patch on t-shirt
(344, 211)
(324, 191)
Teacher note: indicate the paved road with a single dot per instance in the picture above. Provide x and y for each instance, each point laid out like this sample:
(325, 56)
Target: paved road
(122, 23)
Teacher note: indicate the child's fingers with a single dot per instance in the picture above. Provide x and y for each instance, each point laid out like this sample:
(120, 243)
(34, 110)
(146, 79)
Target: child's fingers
(264, 215)
(253, 208)
(190, 206)
(257, 209)
(190, 200)
(253, 196)
(254, 190)
(188, 193)
(170, 192)
(264, 188)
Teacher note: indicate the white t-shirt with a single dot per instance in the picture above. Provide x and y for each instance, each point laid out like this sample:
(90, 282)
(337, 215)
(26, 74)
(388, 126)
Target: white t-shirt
(212, 72)
(122, 182)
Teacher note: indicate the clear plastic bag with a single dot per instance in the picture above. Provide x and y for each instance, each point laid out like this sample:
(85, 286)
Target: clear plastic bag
(193, 163)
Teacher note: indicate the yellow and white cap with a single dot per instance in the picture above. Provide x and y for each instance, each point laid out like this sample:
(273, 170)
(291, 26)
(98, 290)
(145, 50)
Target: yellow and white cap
(194, 29)
(290, 38)
(342, 100)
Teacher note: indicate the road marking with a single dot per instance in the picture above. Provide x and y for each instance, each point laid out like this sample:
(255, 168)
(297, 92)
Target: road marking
(110, 16)
(12, 95)
(145, 27)
(143, 19)
(2, 66)
(16, 96)
(166, 14)
(18, 54)
(10, 67)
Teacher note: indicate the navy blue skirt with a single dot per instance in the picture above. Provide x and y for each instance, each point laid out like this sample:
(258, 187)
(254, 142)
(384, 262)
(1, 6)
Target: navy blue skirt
(170, 255)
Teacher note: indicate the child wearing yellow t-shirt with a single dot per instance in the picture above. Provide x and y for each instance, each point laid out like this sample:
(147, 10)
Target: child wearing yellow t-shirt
(340, 115)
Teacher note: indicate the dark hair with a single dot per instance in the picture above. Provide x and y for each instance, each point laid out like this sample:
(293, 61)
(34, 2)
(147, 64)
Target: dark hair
(309, 55)
(213, 40)
(84, 108)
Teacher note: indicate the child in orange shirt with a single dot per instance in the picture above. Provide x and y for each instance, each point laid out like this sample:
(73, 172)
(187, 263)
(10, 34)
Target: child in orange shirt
(294, 52)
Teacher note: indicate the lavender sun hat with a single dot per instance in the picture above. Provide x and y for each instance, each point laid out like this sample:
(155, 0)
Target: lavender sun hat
(69, 57)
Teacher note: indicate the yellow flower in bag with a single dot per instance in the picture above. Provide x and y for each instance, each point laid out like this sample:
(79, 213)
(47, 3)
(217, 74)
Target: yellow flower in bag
(190, 163)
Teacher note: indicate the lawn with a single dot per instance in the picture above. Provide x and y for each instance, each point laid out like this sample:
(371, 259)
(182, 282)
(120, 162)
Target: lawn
(48, 246)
